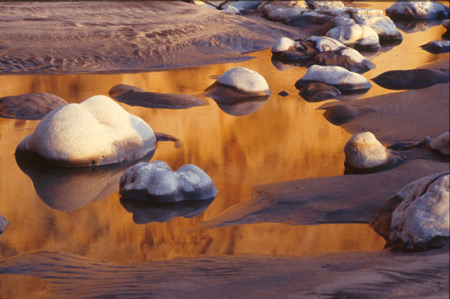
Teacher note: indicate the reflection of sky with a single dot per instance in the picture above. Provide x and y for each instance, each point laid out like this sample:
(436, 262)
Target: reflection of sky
(282, 140)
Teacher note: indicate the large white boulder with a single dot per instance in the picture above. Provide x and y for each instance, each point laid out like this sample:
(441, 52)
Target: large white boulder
(246, 81)
(417, 10)
(421, 220)
(156, 182)
(364, 153)
(381, 24)
(356, 35)
(283, 44)
(336, 76)
(97, 131)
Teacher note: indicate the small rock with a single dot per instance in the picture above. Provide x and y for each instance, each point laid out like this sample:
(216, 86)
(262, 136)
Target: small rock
(436, 47)
(283, 11)
(421, 219)
(336, 76)
(283, 93)
(439, 144)
(365, 154)
(3, 224)
(316, 92)
(156, 182)
(246, 81)
(412, 79)
(418, 10)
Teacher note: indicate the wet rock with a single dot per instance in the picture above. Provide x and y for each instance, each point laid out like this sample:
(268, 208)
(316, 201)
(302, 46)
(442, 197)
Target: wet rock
(417, 217)
(347, 58)
(365, 154)
(158, 183)
(282, 45)
(336, 76)
(30, 106)
(283, 93)
(354, 35)
(246, 81)
(135, 96)
(3, 224)
(316, 92)
(412, 79)
(436, 47)
(97, 131)
(381, 24)
(418, 10)
(446, 24)
(341, 114)
(440, 144)
(146, 212)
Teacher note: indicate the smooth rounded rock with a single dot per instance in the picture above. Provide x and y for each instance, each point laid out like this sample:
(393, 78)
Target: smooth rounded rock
(412, 79)
(347, 58)
(325, 43)
(156, 182)
(246, 81)
(336, 76)
(356, 35)
(421, 220)
(440, 144)
(418, 10)
(283, 44)
(381, 24)
(365, 154)
(436, 47)
(97, 131)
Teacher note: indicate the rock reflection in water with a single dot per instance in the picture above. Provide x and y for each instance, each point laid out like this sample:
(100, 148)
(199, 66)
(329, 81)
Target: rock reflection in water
(233, 102)
(163, 212)
(70, 189)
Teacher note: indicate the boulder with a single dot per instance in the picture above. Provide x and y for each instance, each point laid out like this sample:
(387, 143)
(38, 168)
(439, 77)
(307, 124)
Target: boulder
(439, 144)
(283, 11)
(336, 76)
(436, 47)
(421, 219)
(30, 106)
(418, 10)
(365, 154)
(156, 182)
(283, 44)
(3, 224)
(347, 58)
(245, 81)
(381, 24)
(412, 79)
(97, 131)
(325, 43)
(356, 35)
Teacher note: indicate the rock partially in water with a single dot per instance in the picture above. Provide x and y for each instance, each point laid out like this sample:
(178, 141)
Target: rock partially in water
(421, 219)
(336, 76)
(418, 10)
(365, 154)
(436, 47)
(355, 35)
(347, 58)
(146, 212)
(135, 96)
(341, 114)
(156, 182)
(412, 79)
(282, 45)
(283, 11)
(95, 132)
(3, 224)
(316, 92)
(381, 24)
(439, 144)
(246, 81)
(30, 106)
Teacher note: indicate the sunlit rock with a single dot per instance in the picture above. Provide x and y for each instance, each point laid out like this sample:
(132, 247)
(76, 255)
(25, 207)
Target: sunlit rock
(418, 10)
(365, 154)
(361, 36)
(436, 47)
(246, 81)
(283, 44)
(30, 106)
(412, 79)
(238, 6)
(316, 92)
(283, 10)
(336, 76)
(324, 43)
(381, 24)
(440, 144)
(146, 212)
(421, 220)
(156, 182)
(3, 224)
(315, 4)
(97, 131)
(347, 58)
(136, 96)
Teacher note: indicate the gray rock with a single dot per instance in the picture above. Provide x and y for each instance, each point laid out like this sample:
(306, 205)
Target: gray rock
(156, 182)
(3, 224)
(381, 24)
(356, 35)
(440, 144)
(436, 47)
(418, 10)
(421, 220)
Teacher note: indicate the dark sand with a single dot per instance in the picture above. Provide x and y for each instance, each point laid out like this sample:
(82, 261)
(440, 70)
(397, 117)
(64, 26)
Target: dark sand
(200, 36)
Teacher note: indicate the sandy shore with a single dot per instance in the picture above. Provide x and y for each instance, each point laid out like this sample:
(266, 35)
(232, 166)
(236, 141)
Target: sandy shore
(200, 36)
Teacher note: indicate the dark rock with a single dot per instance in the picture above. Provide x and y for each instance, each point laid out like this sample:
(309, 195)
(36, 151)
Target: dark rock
(316, 92)
(3, 224)
(283, 93)
(437, 47)
(412, 79)
(335, 58)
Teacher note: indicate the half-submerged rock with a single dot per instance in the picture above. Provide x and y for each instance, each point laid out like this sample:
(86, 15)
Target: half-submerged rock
(156, 182)
(97, 131)
(336, 76)
(412, 79)
(3, 224)
(239, 91)
(365, 154)
(30, 106)
(418, 10)
(355, 35)
(438, 46)
(417, 217)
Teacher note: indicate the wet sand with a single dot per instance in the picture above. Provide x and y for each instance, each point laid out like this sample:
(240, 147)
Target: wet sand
(195, 39)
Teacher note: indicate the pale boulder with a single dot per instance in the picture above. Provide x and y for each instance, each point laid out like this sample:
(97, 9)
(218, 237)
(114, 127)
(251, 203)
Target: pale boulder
(439, 144)
(324, 43)
(418, 10)
(97, 131)
(283, 44)
(421, 220)
(356, 35)
(365, 154)
(246, 81)
(381, 24)
(156, 182)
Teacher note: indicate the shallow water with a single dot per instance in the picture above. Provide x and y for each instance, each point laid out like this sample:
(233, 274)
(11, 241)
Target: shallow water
(284, 139)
